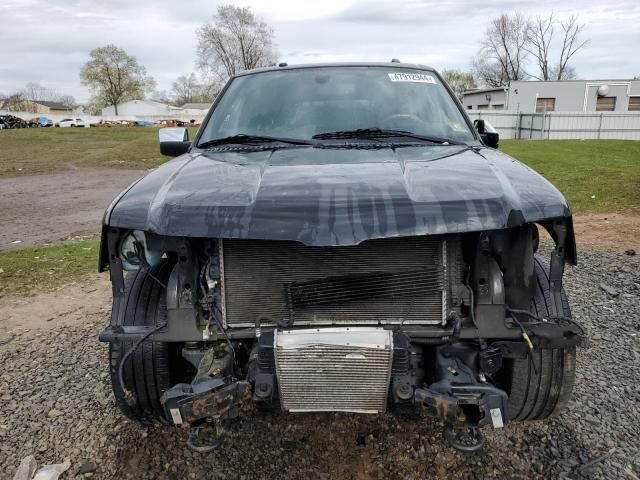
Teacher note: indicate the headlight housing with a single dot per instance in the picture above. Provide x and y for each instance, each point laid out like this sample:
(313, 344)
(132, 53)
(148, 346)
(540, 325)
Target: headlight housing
(134, 252)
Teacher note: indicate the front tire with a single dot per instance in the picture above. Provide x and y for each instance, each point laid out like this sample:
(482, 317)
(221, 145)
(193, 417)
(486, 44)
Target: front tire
(541, 384)
(147, 370)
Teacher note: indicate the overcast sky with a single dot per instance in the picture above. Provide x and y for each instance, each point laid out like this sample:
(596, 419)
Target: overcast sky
(47, 41)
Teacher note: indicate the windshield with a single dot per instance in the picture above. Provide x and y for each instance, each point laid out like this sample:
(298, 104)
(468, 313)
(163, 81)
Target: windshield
(302, 103)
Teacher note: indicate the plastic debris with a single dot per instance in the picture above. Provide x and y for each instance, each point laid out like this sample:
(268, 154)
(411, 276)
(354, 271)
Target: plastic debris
(52, 472)
(26, 469)
(614, 292)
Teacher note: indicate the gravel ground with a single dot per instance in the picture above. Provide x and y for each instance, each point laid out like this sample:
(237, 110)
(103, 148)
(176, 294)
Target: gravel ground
(37, 209)
(56, 403)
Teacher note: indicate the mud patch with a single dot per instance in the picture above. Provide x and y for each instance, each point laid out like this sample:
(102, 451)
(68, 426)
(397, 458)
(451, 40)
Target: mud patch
(616, 231)
(65, 306)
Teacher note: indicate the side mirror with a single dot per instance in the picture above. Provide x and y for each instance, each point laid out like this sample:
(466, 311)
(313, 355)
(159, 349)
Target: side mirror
(488, 134)
(174, 141)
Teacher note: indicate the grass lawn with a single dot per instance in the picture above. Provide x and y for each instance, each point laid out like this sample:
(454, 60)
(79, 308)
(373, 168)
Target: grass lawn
(594, 175)
(42, 268)
(40, 150)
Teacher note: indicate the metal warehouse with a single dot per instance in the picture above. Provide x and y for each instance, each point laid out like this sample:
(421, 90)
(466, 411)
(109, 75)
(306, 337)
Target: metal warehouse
(558, 96)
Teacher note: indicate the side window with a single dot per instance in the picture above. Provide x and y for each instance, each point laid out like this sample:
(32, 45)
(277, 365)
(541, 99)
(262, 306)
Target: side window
(545, 104)
(634, 104)
(605, 104)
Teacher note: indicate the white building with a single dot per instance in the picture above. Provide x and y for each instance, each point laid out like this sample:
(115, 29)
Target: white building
(558, 96)
(485, 99)
(142, 108)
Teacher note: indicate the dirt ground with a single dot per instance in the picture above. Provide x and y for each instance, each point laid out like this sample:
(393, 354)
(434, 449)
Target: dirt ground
(609, 230)
(39, 209)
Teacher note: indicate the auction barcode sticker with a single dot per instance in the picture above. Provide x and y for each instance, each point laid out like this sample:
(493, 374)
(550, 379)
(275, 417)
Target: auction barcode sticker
(411, 77)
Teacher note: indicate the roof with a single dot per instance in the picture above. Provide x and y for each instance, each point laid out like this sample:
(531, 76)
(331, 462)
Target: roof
(197, 106)
(52, 105)
(338, 64)
(485, 90)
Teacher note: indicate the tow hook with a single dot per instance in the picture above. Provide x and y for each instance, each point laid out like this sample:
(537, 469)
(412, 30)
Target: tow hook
(464, 409)
(212, 400)
(464, 439)
(195, 443)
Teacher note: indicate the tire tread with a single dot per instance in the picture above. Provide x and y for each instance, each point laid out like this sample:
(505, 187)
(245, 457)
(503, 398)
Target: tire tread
(146, 371)
(540, 385)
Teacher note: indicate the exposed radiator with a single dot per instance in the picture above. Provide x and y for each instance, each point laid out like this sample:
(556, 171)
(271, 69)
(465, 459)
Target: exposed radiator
(334, 369)
(384, 281)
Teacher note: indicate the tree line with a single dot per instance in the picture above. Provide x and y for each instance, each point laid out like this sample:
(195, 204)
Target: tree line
(513, 47)
(516, 47)
(235, 39)
(32, 92)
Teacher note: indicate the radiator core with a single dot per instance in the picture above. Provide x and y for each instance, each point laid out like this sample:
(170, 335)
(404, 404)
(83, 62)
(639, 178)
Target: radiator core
(383, 281)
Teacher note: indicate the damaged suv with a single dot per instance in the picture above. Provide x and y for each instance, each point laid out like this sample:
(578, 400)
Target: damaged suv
(339, 237)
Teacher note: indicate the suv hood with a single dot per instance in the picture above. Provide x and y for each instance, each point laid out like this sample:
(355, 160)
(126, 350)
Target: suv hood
(336, 196)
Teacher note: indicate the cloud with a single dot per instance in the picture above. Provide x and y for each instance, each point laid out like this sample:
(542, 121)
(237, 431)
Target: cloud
(48, 42)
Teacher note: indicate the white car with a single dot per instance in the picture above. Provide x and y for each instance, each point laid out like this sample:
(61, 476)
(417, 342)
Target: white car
(71, 122)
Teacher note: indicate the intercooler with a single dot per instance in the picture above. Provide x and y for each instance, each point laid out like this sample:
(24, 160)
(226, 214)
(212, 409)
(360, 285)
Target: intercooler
(334, 369)
(403, 280)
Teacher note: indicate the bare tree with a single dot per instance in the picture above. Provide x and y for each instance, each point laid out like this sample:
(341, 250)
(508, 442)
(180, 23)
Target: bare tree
(33, 91)
(487, 73)
(161, 96)
(67, 100)
(115, 77)
(570, 43)
(540, 43)
(12, 101)
(233, 41)
(569, 73)
(208, 91)
(459, 81)
(185, 88)
(503, 46)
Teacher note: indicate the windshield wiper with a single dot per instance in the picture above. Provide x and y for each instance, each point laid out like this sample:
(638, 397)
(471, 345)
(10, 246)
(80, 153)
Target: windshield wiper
(375, 132)
(244, 139)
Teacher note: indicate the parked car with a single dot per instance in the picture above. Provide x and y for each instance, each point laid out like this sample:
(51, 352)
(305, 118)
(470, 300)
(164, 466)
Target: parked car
(41, 122)
(11, 121)
(349, 242)
(71, 123)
